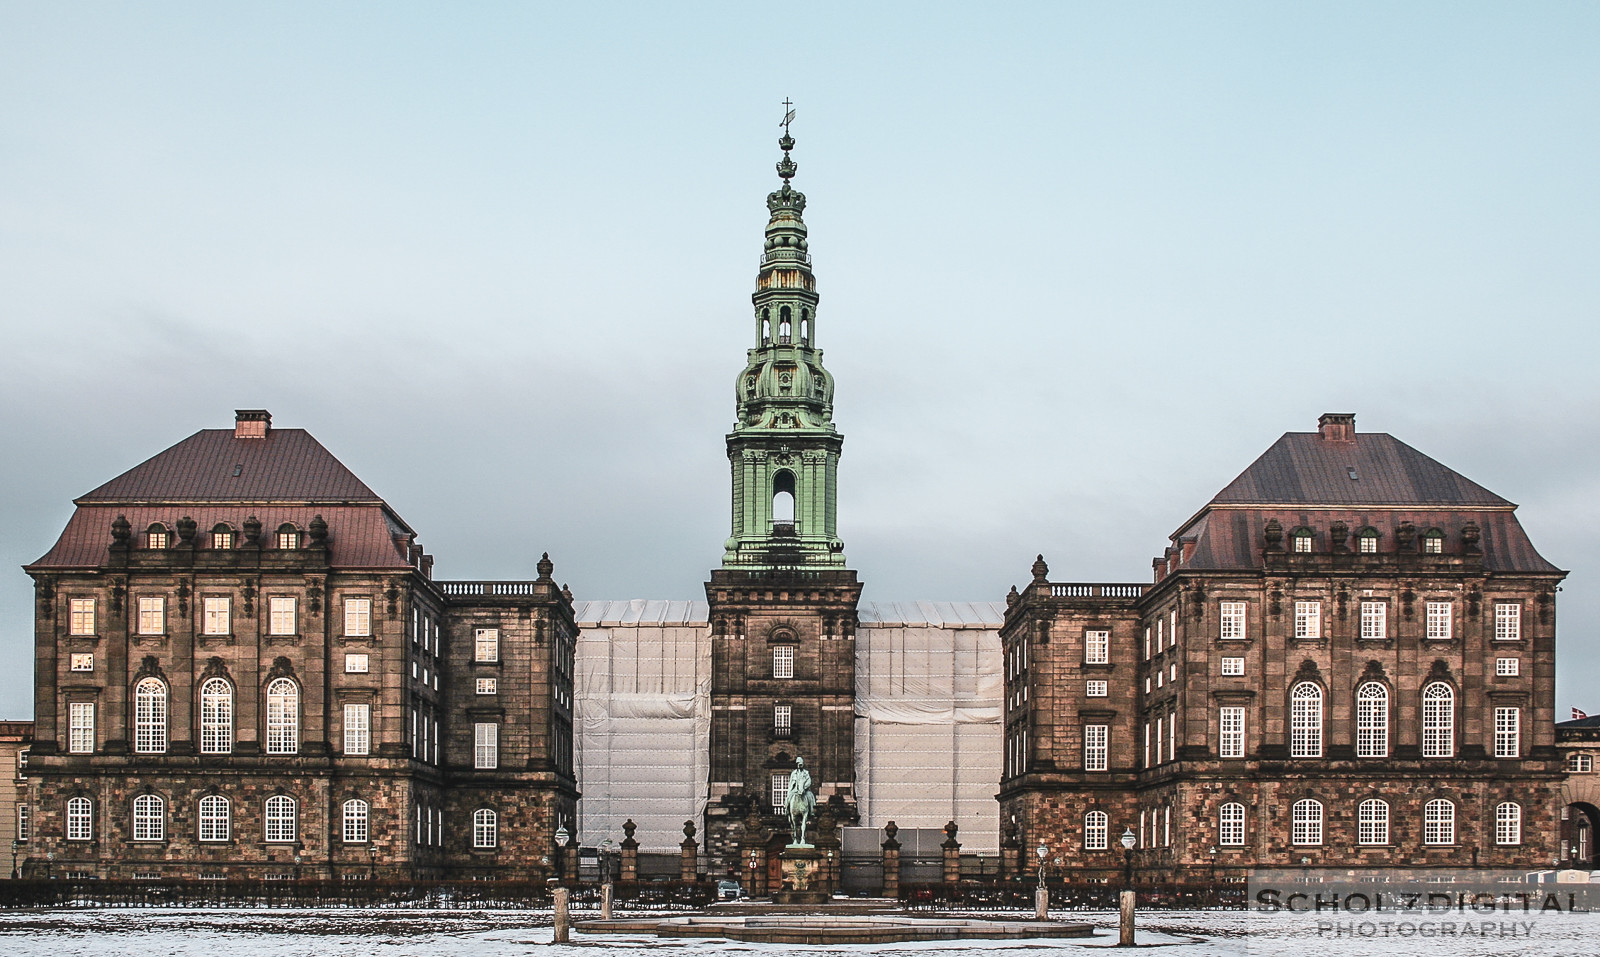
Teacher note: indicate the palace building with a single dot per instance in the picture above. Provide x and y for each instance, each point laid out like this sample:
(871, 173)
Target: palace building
(245, 668)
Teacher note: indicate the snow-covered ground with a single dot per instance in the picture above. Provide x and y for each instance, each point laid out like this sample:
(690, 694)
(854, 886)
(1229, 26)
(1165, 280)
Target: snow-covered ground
(353, 933)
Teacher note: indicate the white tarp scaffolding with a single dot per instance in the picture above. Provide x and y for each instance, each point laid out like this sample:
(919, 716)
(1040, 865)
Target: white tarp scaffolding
(928, 723)
(643, 719)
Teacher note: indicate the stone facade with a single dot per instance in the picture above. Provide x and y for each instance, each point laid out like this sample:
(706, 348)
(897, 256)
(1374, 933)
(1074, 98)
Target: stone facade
(16, 810)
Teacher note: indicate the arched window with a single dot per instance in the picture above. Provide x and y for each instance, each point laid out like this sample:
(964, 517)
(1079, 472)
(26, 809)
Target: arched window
(1367, 541)
(216, 818)
(288, 536)
(1372, 720)
(1438, 720)
(1508, 823)
(1096, 831)
(222, 536)
(80, 819)
(1433, 542)
(355, 822)
(783, 498)
(1439, 822)
(1305, 720)
(785, 327)
(150, 716)
(156, 536)
(485, 828)
(283, 717)
(1372, 822)
(1306, 823)
(1230, 825)
(280, 819)
(149, 818)
(216, 717)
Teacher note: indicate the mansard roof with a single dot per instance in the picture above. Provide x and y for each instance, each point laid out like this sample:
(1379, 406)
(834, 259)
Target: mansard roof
(213, 465)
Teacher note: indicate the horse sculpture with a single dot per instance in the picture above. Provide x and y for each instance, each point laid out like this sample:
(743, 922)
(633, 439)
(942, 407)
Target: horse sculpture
(801, 803)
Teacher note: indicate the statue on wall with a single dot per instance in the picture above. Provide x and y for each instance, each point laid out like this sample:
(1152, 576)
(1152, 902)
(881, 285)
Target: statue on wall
(801, 803)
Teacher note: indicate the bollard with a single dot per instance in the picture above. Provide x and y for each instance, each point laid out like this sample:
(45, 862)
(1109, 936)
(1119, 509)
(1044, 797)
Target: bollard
(605, 901)
(563, 919)
(1041, 903)
(1125, 937)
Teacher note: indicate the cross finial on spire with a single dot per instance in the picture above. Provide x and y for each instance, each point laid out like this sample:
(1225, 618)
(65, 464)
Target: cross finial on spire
(788, 115)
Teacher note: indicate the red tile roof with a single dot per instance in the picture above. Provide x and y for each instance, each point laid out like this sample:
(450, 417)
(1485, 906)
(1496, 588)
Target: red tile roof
(213, 466)
(1302, 468)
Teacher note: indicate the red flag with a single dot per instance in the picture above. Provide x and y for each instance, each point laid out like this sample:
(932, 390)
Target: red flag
(1578, 715)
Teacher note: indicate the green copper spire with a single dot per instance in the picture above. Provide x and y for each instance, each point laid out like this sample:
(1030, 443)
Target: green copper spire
(784, 450)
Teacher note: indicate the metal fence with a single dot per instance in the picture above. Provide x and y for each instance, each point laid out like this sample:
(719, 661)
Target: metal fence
(1018, 895)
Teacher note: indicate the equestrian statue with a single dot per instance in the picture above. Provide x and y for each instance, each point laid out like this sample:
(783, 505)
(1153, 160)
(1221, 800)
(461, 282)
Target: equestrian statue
(802, 803)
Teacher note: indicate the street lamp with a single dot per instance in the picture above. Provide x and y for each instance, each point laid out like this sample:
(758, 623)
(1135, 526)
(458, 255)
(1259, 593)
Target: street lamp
(1128, 840)
(1041, 897)
(561, 843)
(1125, 904)
(15, 847)
(1042, 852)
(372, 861)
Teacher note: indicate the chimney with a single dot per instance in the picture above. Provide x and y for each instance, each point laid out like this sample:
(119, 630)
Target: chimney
(1337, 426)
(251, 423)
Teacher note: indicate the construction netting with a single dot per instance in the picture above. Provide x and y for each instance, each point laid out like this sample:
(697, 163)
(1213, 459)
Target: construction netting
(928, 733)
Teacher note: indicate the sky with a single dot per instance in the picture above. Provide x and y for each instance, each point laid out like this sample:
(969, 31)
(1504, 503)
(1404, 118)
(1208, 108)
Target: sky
(1079, 264)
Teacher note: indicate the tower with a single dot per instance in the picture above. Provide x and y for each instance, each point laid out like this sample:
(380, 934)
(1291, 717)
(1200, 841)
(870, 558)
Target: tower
(783, 605)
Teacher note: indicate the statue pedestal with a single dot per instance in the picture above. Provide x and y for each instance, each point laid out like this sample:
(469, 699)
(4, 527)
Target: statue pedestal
(804, 881)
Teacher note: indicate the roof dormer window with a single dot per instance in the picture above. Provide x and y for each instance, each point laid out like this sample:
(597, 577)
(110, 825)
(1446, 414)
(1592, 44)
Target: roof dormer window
(157, 536)
(1367, 541)
(1433, 542)
(222, 537)
(288, 536)
(1302, 541)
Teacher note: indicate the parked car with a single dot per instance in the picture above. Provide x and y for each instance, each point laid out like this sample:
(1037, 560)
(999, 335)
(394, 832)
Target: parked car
(729, 891)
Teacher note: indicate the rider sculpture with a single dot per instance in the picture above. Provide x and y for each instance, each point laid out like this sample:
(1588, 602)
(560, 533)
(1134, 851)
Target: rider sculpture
(801, 803)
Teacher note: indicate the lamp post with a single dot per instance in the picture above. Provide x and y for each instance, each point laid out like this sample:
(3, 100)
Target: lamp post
(1041, 896)
(372, 861)
(561, 843)
(606, 889)
(1125, 925)
(15, 847)
(1214, 871)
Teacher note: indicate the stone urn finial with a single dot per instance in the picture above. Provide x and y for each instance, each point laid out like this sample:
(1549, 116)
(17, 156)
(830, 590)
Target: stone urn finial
(1041, 571)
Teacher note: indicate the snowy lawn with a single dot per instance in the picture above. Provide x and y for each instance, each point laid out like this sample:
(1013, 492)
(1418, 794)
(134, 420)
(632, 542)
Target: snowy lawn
(357, 933)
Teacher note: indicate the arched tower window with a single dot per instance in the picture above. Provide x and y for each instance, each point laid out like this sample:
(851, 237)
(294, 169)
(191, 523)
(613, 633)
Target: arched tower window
(805, 327)
(766, 326)
(785, 326)
(783, 498)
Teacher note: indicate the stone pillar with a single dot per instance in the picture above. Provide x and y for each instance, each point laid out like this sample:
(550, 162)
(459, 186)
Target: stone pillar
(952, 854)
(891, 861)
(562, 918)
(630, 853)
(1125, 925)
(689, 863)
(1010, 853)
(569, 858)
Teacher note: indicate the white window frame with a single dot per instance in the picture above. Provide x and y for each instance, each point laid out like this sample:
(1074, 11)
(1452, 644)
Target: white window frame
(1372, 720)
(778, 788)
(1096, 747)
(485, 745)
(486, 686)
(216, 716)
(216, 616)
(150, 716)
(1234, 618)
(1507, 621)
(1439, 823)
(1374, 620)
(358, 618)
(280, 817)
(282, 616)
(783, 661)
(1306, 823)
(357, 663)
(82, 661)
(1372, 823)
(1440, 620)
(80, 819)
(80, 727)
(283, 716)
(81, 616)
(1508, 732)
(1508, 824)
(149, 818)
(1432, 542)
(1232, 667)
(485, 829)
(1230, 824)
(1305, 720)
(152, 615)
(1096, 688)
(1230, 731)
(1438, 720)
(1096, 647)
(357, 729)
(1367, 544)
(1096, 831)
(1508, 667)
(782, 717)
(486, 645)
(1578, 763)
(24, 823)
(215, 817)
(1308, 619)
(355, 816)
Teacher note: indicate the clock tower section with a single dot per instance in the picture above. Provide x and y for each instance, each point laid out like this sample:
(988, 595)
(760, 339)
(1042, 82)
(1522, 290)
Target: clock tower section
(783, 604)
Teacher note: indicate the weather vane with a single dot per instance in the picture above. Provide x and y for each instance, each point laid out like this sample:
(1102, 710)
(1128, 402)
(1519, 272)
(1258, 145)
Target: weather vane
(788, 115)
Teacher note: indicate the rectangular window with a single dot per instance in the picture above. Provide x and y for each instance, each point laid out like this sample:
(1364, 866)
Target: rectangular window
(782, 717)
(1507, 621)
(1096, 647)
(487, 686)
(1230, 721)
(23, 823)
(80, 618)
(1308, 619)
(217, 618)
(779, 789)
(355, 823)
(1439, 620)
(152, 615)
(80, 727)
(1096, 688)
(1230, 825)
(1507, 667)
(1507, 732)
(486, 644)
(1372, 823)
(83, 662)
(357, 729)
(485, 745)
(357, 664)
(1095, 750)
(1147, 642)
(1161, 724)
(783, 661)
(281, 616)
(1233, 666)
(80, 819)
(1233, 620)
(358, 617)
(1374, 619)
